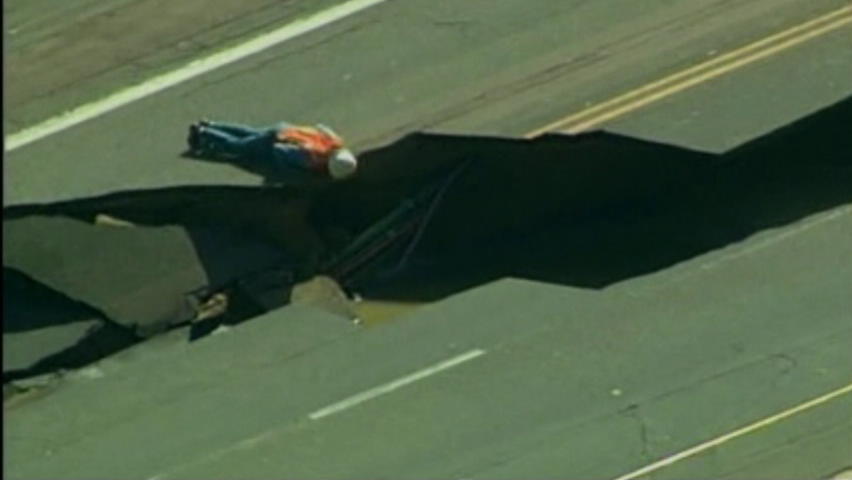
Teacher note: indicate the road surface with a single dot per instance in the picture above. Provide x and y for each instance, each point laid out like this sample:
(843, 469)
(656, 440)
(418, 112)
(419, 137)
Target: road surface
(515, 379)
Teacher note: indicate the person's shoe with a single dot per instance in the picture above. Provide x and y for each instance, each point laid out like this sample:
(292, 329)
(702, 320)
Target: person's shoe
(204, 122)
(194, 138)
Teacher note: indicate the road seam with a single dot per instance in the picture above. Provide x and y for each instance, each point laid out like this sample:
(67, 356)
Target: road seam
(394, 385)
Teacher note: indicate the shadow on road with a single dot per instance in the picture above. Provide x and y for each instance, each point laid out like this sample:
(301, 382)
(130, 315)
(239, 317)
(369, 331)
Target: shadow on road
(44, 330)
(76, 291)
(595, 209)
(281, 176)
(584, 211)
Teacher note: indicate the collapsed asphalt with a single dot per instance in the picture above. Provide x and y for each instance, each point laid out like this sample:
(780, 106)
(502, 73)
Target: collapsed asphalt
(584, 211)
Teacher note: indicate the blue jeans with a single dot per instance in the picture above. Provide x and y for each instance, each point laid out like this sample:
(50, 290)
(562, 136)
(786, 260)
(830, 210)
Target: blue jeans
(257, 146)
(237, 140)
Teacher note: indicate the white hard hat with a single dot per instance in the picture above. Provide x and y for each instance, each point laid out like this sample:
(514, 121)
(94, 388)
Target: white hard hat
(342, 164)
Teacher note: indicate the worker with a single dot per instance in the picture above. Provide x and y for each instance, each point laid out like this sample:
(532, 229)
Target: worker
(284, 147)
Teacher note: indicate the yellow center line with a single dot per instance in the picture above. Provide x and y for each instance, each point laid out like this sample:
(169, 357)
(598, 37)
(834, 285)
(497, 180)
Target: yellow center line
(690, 452)
(698, 74)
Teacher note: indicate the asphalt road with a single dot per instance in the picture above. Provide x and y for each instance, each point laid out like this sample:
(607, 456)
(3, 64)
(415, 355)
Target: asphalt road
(477, 68)
(570, 383)
(100, 47)
(573, 383)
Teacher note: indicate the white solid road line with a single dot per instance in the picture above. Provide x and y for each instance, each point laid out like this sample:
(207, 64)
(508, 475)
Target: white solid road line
(252, 441)
(187, 72)
(389, 387)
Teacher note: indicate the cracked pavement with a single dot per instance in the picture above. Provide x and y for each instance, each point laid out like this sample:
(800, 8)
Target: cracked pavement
(611, 339)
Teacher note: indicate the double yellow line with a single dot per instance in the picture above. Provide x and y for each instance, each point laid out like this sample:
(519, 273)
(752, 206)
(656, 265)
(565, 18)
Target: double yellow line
(640, 97)
(670, 85)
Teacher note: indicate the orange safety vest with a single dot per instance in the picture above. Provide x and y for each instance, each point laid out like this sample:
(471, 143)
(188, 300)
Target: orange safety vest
(319, 144)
